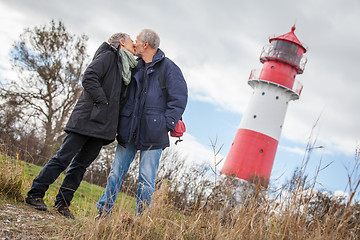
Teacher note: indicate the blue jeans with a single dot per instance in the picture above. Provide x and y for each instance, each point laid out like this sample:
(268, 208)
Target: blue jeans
(77, 149)
(149, 164)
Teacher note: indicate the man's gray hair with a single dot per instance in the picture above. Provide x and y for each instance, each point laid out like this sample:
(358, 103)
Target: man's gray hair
(151, 37)
(115, 38)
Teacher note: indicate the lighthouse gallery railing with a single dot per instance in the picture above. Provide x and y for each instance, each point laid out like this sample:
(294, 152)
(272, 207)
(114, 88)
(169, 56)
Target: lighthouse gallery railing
(296, 89)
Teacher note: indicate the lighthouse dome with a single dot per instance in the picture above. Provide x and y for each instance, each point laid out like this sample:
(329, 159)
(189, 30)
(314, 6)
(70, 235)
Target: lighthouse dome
(291, 38)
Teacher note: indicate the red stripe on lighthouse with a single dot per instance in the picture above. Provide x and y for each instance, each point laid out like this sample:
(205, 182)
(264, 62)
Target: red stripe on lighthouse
(251, 157)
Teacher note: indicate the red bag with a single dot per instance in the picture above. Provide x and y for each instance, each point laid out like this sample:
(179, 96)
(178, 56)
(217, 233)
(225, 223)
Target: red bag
(178, 131)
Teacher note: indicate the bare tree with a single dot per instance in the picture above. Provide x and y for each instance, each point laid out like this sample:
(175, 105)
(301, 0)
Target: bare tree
(49, 62)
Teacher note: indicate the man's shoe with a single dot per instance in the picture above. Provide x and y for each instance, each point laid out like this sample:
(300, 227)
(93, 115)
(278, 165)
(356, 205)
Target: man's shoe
(37, 203)
(128, 221)
(99, 216)
(65, 212)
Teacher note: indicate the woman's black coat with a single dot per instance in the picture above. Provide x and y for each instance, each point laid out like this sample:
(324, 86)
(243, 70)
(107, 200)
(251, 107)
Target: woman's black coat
(97, 111)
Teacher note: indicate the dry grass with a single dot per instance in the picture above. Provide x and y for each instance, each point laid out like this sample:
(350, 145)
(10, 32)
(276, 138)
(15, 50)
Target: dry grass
(11, 181)
(300, 215)
(257, 219)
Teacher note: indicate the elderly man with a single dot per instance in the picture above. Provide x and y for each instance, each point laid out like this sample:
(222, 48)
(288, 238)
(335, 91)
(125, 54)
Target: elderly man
(92, 124)
(145, 121)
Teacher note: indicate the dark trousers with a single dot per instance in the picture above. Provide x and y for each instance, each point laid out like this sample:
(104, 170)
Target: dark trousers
(82, 150)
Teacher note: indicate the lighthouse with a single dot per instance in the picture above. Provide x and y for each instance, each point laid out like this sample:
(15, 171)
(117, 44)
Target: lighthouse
(251, 155)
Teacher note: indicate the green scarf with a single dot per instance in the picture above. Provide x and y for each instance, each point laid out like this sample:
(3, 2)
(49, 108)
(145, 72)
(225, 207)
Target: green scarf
(128, 62)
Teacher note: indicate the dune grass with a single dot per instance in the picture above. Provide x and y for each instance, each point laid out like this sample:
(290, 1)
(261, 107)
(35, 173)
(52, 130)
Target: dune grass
(259, 217)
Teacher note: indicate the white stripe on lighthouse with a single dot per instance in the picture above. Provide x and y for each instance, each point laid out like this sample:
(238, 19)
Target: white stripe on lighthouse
(266, 111)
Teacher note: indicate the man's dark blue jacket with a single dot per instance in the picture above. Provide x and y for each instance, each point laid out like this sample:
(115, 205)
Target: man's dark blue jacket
(147, 115)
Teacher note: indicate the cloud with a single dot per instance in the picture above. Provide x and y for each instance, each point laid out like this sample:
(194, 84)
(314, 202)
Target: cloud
(217, 44)
(196, 152)
(295, 150)
(10, 28)
(225, 86)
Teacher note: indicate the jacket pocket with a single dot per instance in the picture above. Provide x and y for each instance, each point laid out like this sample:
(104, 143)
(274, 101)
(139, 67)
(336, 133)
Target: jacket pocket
(153, 130)
(124, 124)
(154, 111)
(99, 113)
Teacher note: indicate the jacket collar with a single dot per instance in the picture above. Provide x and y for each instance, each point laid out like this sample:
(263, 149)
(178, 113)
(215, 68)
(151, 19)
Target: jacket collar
(105, 47)
(159, 55)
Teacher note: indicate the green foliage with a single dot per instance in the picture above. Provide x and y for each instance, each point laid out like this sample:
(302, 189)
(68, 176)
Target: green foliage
(16, 178)
(85, 197)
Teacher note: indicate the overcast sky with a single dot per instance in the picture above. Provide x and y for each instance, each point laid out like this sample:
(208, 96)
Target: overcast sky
(217, 44)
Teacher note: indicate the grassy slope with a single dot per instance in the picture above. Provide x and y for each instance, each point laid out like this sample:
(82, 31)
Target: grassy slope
(85, 197)
(258, 219)
(20, 221)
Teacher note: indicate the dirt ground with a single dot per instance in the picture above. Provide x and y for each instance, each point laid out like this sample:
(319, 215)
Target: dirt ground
(19, 221)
